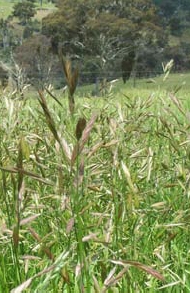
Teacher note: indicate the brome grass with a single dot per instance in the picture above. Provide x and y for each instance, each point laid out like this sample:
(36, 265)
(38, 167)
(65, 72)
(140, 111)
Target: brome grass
(97, 201)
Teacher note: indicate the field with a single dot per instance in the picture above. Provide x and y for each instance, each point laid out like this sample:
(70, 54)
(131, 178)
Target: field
(97, 201)
(6, 7)
(173, 83)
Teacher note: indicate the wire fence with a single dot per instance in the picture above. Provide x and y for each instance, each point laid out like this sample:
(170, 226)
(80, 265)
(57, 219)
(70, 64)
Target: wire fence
(95, 78)
(101, 75)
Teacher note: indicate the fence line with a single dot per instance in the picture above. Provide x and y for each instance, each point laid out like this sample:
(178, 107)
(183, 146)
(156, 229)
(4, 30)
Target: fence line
(89, 77)
(108, 72)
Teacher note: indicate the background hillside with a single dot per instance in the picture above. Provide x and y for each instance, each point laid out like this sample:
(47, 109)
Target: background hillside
(107, 40)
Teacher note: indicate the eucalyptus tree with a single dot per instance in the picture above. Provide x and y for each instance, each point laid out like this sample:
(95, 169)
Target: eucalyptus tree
(24, 10)
(105, 31)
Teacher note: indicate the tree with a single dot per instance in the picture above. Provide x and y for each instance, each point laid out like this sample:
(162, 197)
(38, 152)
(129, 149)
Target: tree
(24, 11)
(174, 13)
(103, 30)
(35, 58)
(170, 6)
(4, 33)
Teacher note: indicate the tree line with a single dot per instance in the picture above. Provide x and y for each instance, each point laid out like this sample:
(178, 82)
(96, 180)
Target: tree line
(107, 39)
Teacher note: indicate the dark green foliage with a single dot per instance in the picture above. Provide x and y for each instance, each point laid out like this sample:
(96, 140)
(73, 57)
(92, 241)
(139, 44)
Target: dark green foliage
(175, 26)
(179, 55)
(174, 14)
(102, 31)
(24, 11)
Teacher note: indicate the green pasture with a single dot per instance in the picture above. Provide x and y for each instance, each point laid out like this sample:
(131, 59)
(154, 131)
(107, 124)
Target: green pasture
(97, 201)
(176, 83)
(6, 7)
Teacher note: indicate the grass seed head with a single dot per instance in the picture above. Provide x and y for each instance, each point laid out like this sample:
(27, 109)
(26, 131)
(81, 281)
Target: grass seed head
(80, 127)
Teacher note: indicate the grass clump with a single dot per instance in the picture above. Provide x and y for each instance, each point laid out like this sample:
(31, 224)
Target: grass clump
(97, 201)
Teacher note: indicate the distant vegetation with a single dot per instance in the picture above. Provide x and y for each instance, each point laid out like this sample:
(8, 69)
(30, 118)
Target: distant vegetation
(97, 35)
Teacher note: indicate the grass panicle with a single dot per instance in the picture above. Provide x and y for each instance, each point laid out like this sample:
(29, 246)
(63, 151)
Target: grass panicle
(71, 76)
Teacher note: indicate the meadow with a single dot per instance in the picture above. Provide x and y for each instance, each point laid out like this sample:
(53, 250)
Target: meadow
(97, 201)
(6, 8)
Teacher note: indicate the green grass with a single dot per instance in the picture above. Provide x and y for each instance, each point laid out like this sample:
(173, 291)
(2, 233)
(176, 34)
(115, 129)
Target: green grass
(107, 213)
(174, 83)
(6, 7)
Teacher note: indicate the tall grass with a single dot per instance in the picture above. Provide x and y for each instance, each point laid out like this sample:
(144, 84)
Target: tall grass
(97, 201)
